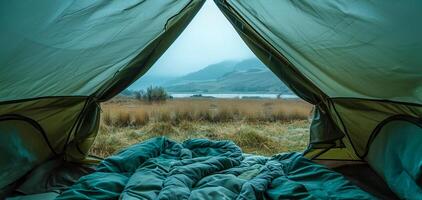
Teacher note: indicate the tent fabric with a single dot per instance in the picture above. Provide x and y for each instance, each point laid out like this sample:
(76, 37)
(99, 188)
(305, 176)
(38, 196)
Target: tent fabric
(59, 63)
(81, 47)
(361, 41)
(204, 169)
(354, 60)
(361, 174)
(396, 157)
(54, 175)
(29, 141)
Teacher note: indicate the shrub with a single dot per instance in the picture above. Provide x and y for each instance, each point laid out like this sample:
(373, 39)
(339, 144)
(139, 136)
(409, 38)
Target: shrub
(152, 94)
(140, 95)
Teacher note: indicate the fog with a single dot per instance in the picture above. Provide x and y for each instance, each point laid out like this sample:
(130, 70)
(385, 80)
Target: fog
(208, 39)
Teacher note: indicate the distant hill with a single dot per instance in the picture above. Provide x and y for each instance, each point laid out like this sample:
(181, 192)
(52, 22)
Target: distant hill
(252, 63)
(211, 72)
(245, 76)
(150, 80)
(249, 75)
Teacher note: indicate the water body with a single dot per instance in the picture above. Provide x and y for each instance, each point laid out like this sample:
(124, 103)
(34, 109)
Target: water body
(235, 95)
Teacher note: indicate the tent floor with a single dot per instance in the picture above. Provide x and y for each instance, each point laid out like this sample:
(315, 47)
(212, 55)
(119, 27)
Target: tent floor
(40, 196)
(362, 175)
(359, 173)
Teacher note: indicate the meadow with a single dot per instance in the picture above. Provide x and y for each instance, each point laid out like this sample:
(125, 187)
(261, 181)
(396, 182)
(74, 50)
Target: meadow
(258, 126)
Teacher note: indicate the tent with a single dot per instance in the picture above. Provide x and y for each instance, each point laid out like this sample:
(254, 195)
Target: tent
(358, 62)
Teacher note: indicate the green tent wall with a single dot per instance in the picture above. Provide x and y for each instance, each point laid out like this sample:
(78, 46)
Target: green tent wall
(59, 59)
(358, 62)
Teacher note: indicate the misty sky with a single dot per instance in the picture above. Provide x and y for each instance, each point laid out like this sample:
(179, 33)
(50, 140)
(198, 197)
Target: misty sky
(208, 39)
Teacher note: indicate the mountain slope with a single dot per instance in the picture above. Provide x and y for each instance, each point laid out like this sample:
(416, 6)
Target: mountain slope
(249, 75)
(211, 72)
(149, 80)
(251, 63)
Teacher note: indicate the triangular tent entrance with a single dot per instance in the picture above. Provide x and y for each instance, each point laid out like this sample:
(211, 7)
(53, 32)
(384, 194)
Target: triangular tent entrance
(357, 62)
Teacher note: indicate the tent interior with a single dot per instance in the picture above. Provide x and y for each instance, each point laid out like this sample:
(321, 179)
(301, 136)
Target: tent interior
(357, 62)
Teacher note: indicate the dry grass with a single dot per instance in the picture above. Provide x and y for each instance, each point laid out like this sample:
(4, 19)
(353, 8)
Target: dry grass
(137, 113)
(265, 138)
(263, 127)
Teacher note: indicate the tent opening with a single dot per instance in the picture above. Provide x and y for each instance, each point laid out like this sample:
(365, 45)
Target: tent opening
(208, 84)
(354, 62)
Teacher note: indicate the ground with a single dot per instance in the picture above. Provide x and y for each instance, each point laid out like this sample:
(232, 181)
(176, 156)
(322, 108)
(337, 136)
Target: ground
(260, 126)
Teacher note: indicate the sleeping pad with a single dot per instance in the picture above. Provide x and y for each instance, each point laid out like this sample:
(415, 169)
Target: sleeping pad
(160, 168)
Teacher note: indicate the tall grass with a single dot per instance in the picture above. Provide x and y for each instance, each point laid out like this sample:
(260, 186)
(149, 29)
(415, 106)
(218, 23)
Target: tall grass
(266, 138)
(258, 126)
(136, 113)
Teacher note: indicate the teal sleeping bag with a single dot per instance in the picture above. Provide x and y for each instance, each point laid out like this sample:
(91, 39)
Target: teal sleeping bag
(396, 155)
(160, 168)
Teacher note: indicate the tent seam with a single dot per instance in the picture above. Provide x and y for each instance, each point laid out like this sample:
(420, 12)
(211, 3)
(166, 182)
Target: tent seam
(377, 100)
(346, 131)
(39, 98)
(378, 128)
(76, 124)
(33, 123)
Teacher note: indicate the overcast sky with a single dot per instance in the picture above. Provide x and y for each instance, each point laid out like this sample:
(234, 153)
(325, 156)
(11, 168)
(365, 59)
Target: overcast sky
(208, 39)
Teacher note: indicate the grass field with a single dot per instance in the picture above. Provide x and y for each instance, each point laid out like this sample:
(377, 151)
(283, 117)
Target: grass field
(265, 127)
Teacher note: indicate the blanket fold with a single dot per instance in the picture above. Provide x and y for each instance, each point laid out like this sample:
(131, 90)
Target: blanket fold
(160, 168)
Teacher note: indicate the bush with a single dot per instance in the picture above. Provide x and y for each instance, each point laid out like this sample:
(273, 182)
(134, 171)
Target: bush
(140, 95)
(152, 94)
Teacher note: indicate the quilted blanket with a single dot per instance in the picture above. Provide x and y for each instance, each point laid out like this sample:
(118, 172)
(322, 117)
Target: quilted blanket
(160, 168)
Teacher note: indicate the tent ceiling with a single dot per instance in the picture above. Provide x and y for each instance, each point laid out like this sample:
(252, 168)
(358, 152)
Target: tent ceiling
(72, 48)
(355, 49)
